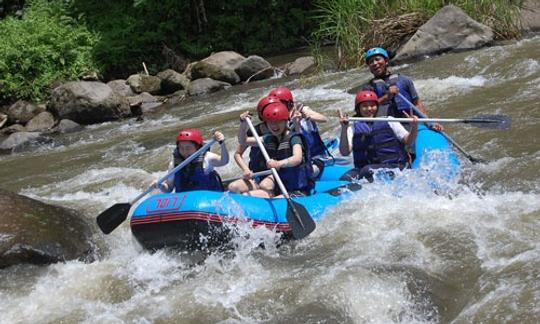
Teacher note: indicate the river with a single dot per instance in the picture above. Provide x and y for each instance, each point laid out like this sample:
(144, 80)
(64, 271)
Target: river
(471, 254)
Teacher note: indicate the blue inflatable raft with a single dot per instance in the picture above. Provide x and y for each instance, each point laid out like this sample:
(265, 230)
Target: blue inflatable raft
(198, 219)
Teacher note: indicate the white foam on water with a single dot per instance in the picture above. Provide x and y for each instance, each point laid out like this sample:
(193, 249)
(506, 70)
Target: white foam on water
(440, 89)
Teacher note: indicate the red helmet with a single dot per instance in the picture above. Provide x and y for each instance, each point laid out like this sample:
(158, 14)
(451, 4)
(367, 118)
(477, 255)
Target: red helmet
(283, 93)
(265, 101)
(190, 134)
(275, 112)
(365, 96)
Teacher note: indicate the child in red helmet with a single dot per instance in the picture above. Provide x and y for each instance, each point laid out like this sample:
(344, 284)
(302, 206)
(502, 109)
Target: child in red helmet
(288, 152)
(306, 120)
(374, 145)
(256, 159)
(200, 173)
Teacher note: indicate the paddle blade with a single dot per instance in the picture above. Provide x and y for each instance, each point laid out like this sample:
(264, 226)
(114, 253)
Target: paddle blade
(299, 219)
(492, 121)
(111, 218)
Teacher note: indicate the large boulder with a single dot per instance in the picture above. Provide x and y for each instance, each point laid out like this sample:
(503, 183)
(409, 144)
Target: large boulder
(13, 129)
(530, 16)
(172, 81)
(38, 233)
(22, 111)
(302, 65)
(88, 102)
(67, 126)
(121, 87)
(206, 85)
(219, 66)
(21, 141)
(42, 122)
(450, 29)
(254, 67)
(144, 83)
(145, 100)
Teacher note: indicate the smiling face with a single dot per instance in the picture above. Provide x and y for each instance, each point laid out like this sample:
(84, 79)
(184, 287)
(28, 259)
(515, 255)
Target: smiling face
(377, 65)
(277, 128)
(367, 108)
(186, 148)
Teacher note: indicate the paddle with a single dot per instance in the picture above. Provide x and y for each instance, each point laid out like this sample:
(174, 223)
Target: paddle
(113, 216)
(483, 121)
(422, 115)
(298, 217)
(256, 174)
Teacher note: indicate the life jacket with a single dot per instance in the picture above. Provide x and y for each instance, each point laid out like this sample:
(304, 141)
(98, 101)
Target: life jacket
(256, 159)
(376, 144)
(313, 138)
(194, 177)
(395, 106)
(299, 177)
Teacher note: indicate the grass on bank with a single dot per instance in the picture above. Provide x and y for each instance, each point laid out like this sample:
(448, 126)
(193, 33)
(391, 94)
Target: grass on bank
(355, 25)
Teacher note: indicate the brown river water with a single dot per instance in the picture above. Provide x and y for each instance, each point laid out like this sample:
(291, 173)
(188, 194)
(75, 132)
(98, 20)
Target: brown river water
(391, 254)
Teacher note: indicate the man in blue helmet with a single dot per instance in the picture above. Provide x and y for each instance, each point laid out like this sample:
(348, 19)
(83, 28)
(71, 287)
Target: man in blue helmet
(387, 85)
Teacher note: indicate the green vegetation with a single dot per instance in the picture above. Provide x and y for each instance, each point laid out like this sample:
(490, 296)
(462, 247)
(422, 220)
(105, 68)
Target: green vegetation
(63, 39)
(45, 46)
(357, 24)
(59, 40)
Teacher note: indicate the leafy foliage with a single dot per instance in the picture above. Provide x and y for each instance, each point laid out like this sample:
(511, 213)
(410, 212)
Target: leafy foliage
(44, 46)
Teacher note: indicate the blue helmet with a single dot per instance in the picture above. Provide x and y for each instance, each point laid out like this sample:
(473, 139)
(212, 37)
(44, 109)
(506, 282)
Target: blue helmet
(376, 51)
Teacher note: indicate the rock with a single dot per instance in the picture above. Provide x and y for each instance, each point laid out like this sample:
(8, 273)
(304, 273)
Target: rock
(172, 81)
(145, 101)
(144, 83)
(38, 233)
(121, 87)
(13, 129)
(67, 126)
(177, 97)
(450, 29)
(219, 66)
(22, 111)
(42, 122)
(255, 67)
(187, 71)
(21, 141)
(530, 16)
(302, 65)
(203, 70)
(225, 59)
(206, 85)
(87, 102)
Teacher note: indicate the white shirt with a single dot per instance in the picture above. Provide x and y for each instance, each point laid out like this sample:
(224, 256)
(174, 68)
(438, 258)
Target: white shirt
(396, 127)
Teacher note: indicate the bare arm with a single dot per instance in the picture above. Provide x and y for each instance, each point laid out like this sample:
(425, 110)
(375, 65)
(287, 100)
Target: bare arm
(289, 162)
(313, 115)
(239, 160)
(344, 147)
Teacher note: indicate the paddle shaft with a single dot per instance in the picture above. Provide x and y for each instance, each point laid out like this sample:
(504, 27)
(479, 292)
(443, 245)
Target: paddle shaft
(267, 157)
(190, 158)
(423, 116)
(256, 174)
(425, 120)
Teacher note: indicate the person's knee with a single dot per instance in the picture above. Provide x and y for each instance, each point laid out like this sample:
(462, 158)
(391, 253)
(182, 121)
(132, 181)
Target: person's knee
(237, 186)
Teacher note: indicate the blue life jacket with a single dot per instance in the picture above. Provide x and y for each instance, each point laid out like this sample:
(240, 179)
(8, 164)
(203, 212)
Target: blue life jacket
(193, 177)
(299, 177)
(313, 138)
(396, 105)
(256, 159)
(376, 144)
